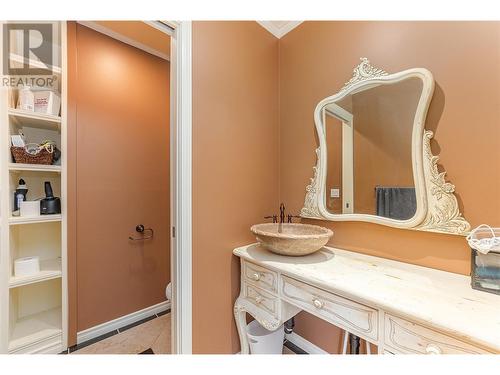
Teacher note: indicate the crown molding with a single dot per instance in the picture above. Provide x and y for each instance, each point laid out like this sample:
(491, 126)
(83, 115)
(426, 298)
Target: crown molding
(124, 39)
(279, 28)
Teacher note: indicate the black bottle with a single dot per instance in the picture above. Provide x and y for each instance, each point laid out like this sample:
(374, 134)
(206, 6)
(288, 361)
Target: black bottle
(50, 205)
(20, 194)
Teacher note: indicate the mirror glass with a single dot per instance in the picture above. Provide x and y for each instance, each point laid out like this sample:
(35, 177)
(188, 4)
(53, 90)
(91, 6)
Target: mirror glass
(369, 150)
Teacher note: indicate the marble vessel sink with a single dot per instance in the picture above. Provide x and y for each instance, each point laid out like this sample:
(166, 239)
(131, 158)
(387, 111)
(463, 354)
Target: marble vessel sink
(291, 239)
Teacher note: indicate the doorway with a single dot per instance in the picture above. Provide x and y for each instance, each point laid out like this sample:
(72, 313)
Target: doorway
(119, 97)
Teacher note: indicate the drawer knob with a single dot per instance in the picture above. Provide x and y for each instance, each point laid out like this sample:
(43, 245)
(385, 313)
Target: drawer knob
(317, 303)
(432, 349)
(256, 276)
(258, 299)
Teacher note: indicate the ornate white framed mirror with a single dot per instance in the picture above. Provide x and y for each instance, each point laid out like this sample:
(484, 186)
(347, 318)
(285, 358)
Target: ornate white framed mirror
(374, 160)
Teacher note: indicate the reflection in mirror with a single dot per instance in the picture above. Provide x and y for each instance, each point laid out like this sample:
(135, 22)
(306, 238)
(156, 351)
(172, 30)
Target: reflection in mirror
(369, 148)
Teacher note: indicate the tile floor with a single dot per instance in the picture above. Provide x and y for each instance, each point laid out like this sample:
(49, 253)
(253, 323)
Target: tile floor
(154, 334)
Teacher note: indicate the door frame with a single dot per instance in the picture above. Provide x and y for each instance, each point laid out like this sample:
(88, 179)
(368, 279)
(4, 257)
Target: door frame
(347, 119)
(181, 182)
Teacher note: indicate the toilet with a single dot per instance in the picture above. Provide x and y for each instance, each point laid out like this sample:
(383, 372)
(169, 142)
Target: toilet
(168, 291)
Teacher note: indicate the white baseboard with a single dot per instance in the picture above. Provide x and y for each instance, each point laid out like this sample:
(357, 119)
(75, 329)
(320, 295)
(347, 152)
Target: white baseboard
(120, 322)
(304, 344)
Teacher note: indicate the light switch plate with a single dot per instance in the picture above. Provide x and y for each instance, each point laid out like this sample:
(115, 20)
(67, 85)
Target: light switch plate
(334, 193)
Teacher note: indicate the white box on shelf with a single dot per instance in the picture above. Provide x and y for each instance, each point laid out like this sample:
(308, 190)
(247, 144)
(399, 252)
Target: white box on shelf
(26, 101)
(26, 266)
(30, 208)
(47, 102)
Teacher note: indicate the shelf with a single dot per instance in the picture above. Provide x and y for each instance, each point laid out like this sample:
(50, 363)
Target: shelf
(35, 119)
(33, 307)
(49, 269)
(36, 327)
(19, 167)
(17, 220)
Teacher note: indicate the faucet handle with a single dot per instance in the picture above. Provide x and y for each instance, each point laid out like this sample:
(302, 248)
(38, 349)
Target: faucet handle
(274, 217)
(289, 217)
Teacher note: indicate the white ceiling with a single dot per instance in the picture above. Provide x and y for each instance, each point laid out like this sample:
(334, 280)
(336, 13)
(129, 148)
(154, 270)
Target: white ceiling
(279, 28)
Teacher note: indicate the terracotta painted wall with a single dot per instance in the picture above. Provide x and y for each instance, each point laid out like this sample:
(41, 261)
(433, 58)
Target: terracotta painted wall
(316, 59)
(235, 165)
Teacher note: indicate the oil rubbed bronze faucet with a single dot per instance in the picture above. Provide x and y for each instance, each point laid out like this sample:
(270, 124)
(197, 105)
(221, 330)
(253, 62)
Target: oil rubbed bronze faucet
(282, 216)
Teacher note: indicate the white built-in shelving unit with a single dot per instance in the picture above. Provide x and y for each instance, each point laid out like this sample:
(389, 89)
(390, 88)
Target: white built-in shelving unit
(33, 309)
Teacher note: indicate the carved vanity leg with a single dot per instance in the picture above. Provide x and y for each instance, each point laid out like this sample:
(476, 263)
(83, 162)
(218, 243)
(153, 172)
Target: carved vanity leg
(241, 324)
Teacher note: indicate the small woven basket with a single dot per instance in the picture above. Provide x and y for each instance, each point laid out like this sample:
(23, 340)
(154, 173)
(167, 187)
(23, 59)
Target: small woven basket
(20, 155)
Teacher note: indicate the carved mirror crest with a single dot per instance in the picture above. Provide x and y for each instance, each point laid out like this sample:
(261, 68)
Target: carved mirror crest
(374, 160)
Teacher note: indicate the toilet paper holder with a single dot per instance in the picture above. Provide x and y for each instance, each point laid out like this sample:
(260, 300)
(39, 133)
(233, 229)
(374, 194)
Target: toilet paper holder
(141, 229)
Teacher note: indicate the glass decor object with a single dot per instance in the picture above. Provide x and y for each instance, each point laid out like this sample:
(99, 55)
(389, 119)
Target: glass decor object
(485, 260)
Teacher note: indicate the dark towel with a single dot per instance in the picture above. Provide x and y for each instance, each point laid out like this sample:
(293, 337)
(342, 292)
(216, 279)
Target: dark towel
(396, 202)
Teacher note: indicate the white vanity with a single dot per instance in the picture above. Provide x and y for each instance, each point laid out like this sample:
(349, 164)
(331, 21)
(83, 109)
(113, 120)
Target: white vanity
(399, 307)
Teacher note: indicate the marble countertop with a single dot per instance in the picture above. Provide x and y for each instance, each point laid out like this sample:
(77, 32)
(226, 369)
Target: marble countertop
(441, 300)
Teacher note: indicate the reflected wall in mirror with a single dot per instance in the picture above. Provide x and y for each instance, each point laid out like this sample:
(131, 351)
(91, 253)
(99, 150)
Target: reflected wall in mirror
(374, 160)
(368, 142)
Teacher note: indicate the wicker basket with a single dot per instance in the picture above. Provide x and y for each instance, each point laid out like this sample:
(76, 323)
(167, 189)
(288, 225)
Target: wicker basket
(20, 155)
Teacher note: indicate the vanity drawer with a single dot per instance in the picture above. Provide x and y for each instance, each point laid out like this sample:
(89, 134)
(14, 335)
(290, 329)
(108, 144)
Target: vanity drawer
(409, 338)
(260, 276)
(261, 299)
(354, 317)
